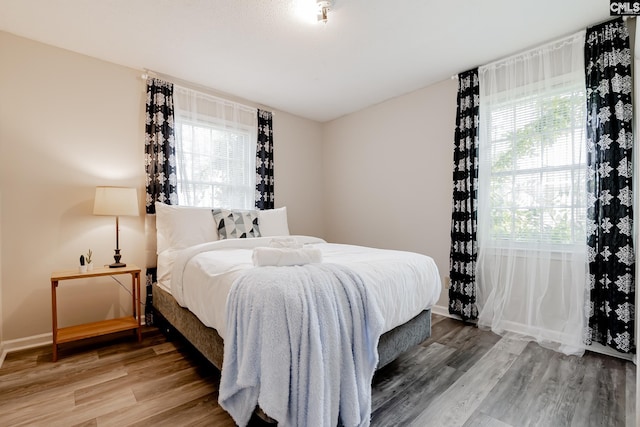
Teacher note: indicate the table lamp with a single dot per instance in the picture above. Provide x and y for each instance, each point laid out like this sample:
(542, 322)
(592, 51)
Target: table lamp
(116, 201)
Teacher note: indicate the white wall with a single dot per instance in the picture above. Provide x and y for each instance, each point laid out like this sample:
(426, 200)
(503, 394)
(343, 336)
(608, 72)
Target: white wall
(298, 172)
(388, 174)
(68, 123)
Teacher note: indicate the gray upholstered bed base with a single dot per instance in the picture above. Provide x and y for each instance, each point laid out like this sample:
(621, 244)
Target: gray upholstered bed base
(207, 341)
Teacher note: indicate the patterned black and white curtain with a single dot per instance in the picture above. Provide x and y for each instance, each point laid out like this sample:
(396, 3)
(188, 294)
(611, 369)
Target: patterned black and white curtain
(264, 162)
(611, 308)
(159, 145)
(464, 247)
(159, 159)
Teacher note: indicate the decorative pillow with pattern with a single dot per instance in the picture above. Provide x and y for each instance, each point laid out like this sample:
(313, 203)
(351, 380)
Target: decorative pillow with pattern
(236, 224)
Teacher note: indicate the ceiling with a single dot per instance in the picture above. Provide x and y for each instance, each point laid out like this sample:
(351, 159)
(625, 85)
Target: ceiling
(264, 51)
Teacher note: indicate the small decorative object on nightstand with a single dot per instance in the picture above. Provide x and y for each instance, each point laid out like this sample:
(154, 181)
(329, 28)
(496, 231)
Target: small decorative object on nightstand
(88, 330)
(87, 258)
(83, 267)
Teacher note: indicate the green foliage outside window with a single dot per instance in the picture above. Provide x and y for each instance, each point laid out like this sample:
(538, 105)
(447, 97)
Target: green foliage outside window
(537, 177)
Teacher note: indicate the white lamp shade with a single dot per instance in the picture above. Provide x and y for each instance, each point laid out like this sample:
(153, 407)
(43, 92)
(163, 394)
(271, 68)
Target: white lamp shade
(116, 201)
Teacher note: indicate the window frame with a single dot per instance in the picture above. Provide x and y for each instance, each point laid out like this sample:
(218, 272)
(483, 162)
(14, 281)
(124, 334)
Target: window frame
(212, 125)
(555, 88)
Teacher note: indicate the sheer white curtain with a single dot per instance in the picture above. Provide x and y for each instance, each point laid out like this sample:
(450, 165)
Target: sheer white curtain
(215, 150)
(531, 269)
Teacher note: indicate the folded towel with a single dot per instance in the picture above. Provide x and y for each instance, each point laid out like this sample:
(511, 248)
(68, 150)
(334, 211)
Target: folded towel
(285, 242)
(281, 257)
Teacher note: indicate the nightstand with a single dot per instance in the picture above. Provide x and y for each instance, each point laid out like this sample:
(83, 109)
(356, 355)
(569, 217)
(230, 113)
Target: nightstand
(94, 329)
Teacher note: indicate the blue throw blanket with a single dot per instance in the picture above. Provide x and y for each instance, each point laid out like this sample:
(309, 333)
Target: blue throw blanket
(301, 343)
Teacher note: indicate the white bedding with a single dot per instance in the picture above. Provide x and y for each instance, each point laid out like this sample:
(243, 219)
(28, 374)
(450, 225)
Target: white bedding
(403, 283)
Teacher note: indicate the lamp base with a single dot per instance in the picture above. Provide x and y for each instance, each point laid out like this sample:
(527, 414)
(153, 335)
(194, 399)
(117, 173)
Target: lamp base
(117, 263)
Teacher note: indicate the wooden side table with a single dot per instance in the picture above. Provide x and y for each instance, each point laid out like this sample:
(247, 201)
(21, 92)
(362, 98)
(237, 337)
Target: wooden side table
(94, 329)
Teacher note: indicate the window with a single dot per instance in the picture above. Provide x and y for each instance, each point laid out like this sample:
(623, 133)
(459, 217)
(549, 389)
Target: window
(215, 151)
(532, 247)
(536, 144)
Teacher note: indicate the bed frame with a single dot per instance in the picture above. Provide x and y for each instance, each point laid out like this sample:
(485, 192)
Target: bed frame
(207, 341)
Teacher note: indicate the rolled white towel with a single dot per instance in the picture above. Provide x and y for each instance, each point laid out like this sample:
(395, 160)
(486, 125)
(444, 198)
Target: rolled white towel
(285, 242)
(282, 257)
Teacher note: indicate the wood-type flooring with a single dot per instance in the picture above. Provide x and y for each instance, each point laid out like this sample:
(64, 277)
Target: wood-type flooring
(461, 376)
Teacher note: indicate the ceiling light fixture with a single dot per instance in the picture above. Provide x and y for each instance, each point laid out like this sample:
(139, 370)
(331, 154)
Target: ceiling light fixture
(323, 10)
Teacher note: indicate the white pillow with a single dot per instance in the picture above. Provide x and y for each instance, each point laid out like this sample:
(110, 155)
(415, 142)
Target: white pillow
(273, 222)
(179, 227)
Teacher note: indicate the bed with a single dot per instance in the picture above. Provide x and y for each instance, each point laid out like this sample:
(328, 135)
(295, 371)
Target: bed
(200, 259)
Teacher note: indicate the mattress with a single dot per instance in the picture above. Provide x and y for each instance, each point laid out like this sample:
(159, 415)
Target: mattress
(402, 283)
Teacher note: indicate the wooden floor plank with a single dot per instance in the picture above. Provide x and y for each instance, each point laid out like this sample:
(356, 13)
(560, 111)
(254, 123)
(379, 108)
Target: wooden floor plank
(160, 401)
(399, 375)
(25, 414)
(472, 348)
(86, 411)
(464, 396)
(630, 395)
(482, 420)
(552, 389)
(202, 411)
(518, 389)
(442, 326)
(408, 404)
(602, 394)
(29, 397)
(461, 376)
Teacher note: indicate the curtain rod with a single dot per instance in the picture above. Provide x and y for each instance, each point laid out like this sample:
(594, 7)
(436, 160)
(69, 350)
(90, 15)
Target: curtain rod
(147, 74)
(526, 51)
(624, 18)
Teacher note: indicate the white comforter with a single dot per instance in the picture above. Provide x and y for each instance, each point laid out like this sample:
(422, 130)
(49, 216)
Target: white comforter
(402, 283)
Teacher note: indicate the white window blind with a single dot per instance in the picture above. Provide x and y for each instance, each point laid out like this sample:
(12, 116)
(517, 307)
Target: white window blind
(537, 156)
(533, 150)
(215, 151)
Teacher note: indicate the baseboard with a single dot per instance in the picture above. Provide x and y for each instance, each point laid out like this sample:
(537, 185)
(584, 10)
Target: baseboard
(7, 347)
(444, 311)
(24, 343)
(599, 348)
